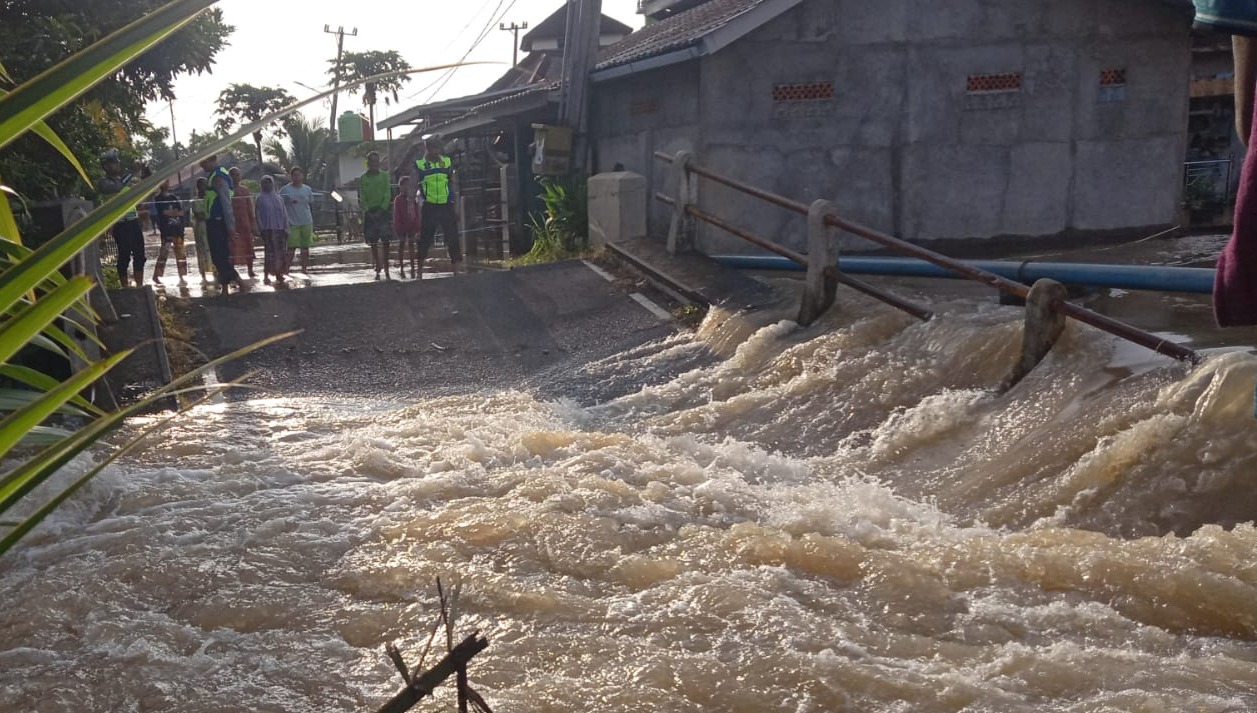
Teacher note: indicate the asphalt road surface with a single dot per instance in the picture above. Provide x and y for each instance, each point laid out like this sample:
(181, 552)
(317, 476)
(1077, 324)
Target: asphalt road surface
(398, 339)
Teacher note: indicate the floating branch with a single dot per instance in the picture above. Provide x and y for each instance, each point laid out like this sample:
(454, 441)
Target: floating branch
(423, 684)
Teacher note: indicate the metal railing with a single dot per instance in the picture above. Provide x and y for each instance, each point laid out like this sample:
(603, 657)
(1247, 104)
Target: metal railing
(1201, 180)
(683, 207)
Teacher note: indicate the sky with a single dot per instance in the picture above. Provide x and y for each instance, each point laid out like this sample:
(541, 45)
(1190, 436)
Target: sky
(284, 45)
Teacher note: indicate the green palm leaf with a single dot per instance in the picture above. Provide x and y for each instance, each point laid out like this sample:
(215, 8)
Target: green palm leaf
(46, 133)
(31, 321)
(8, 224)
(34, 471)
(14, 399)
(42, 382)
(32, 414)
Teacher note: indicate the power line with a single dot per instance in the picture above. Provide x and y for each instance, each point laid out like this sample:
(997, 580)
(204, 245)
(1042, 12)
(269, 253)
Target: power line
(450, 43)
(483, 34)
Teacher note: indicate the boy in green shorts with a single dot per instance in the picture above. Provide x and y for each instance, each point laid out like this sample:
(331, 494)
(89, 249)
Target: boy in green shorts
(298, 197)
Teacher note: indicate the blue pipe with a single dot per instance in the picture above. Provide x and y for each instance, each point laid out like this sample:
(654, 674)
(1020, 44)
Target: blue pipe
(1128, 277)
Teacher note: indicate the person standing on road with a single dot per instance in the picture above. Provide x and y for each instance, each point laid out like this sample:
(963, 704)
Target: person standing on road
(273, 223)
(375, 197)
(246, 226)
(298, 199)
(128, 235)
(220, 224)
(200, 231)
(436, 187)
(406, 225)
(168, 217)
(210, 166)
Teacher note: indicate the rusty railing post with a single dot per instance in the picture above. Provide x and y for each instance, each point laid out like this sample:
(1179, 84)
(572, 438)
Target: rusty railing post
(1044, 323)
(822, 275)
(681, 231)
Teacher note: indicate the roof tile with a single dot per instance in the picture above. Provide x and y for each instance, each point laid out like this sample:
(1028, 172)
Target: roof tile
(677, 32)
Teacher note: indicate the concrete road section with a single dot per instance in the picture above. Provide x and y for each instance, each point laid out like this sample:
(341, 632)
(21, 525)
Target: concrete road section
(398, 339)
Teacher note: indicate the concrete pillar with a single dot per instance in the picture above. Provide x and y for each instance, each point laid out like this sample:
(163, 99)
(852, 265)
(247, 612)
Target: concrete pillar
(1044, 324)
(681, 232)
(821, 283)
(617, 207)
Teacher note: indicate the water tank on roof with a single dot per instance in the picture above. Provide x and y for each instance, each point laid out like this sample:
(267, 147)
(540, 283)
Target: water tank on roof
(349, 127)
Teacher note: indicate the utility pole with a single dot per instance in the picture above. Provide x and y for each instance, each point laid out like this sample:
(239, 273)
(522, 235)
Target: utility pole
(174, 144)
(514, 30)
(340, 50)
(580, 51)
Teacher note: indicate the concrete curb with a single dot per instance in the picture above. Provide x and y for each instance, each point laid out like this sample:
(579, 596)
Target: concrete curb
(673, 286)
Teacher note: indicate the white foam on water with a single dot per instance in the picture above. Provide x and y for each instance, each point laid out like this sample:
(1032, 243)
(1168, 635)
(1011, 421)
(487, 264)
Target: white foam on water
(799, 527)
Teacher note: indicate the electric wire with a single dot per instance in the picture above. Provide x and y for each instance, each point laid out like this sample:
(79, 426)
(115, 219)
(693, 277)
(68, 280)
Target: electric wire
(485, 32)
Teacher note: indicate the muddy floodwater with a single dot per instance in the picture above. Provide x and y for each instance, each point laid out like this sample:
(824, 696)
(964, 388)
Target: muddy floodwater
(845, 518)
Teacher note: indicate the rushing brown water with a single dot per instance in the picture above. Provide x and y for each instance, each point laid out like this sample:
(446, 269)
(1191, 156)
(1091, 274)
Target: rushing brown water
(846, 520)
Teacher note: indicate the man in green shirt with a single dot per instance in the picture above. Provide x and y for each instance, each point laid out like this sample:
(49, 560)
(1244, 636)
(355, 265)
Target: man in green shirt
(375, 197)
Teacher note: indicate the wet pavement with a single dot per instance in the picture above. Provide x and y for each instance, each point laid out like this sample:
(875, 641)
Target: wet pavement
(331, 263)
(401, 338)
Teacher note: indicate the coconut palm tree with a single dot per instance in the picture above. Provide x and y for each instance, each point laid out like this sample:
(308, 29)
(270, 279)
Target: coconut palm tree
(308, 145)
(356, 66)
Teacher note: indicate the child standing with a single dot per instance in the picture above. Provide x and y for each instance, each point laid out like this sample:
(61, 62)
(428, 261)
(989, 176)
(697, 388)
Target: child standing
(168, 217)
(406, 224)
(200, 234)
(298, 199)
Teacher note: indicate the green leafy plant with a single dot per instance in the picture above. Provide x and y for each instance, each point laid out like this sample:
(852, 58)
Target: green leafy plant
(245, 103)
(562, 231)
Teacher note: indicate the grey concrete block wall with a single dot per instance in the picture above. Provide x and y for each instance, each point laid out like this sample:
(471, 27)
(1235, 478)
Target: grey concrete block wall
(638, 115)
(1117, 186)
(901, 147)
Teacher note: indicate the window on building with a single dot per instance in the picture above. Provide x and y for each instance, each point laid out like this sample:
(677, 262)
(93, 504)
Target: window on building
(810, 91)
(1112, 86)
(803, 99)
(986, 83)
(993, 91)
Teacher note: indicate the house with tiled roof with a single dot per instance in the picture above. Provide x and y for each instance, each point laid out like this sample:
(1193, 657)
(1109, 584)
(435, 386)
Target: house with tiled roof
(956, 121)
(487, 133)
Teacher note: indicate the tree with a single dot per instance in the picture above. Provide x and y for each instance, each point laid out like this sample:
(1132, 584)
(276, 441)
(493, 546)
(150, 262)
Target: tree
(153, 147)
(35, 34)
(309, 145)
(354, 66)
(198, 141)
(241, 104)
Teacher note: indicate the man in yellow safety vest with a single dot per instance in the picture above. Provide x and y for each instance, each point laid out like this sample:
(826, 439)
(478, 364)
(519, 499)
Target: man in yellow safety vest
(436, 192)
(127, 233)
